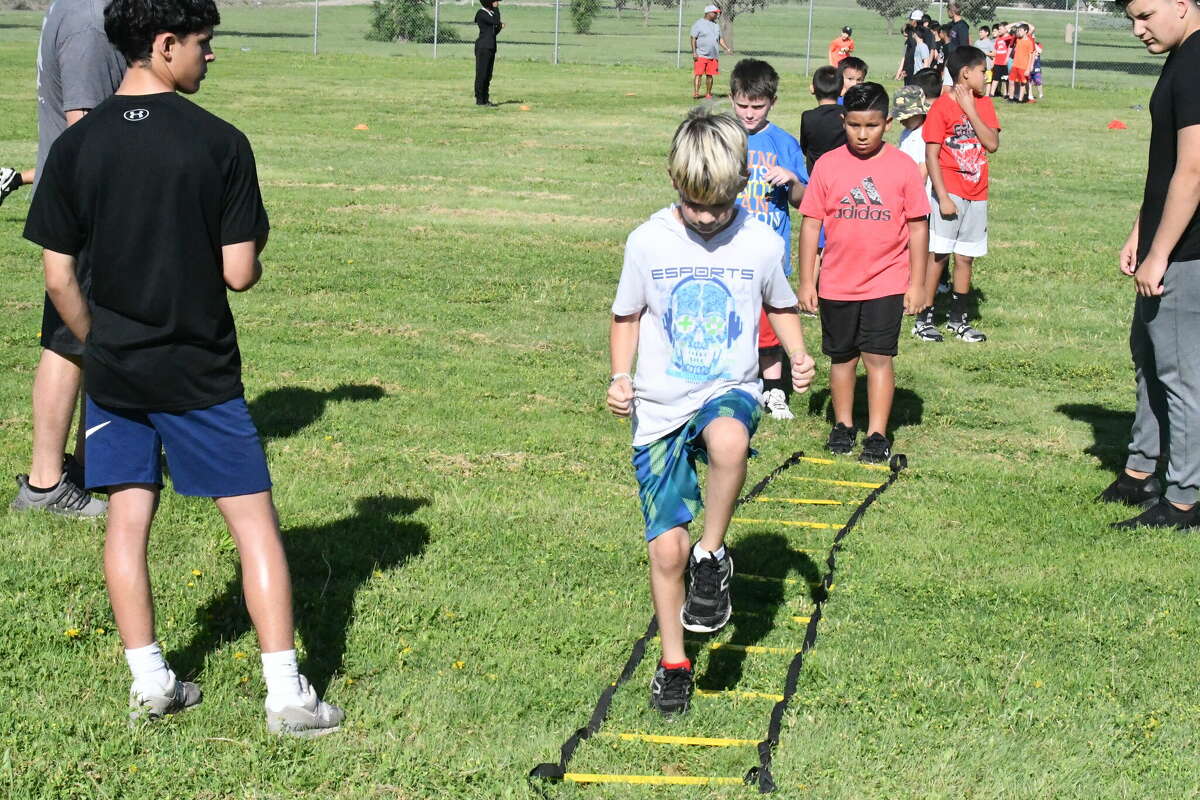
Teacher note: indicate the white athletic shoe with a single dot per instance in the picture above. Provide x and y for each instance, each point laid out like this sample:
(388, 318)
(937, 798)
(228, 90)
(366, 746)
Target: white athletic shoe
(776, 404)
(312, 717)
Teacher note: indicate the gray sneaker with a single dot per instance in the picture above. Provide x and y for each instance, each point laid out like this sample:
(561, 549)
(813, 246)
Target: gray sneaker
(314, 717)
(66, 499)
(180, 696)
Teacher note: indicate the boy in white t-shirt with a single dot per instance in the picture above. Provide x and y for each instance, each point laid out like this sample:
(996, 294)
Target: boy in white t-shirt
(696, 277)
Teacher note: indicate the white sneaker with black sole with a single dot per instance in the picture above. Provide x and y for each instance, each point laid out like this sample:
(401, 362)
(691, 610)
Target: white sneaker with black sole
(963, 330)
(926, 332)
(775, 401)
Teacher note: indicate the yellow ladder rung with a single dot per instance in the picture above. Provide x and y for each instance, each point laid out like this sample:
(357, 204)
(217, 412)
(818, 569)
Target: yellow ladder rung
(802, 620)
(799, 501)
(696, 741)
(736, 693)
(812, 460)
(831, 482)
(825, 526)
(672, 780)
(754, 649)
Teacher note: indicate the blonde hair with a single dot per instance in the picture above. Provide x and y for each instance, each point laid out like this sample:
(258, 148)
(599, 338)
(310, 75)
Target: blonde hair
(708, 157)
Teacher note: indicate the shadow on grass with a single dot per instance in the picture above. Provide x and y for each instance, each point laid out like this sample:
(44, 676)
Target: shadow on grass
(908, 409)
(329, 563)
(280, 413)
(757, 603)
(1110, 432)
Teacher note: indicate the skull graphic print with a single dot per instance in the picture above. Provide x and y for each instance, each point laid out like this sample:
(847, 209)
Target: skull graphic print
(702, 326)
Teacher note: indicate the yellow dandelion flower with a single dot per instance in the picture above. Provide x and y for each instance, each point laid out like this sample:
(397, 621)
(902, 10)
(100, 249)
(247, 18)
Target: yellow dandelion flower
(349, 681)
(133, 768)
(197, 573)
(191, 584)
(72, 633)
(459, 664)
(245, 679)
(406, 651)
(99, 631)
(239, 654)
(378, 573)
(1038, 684)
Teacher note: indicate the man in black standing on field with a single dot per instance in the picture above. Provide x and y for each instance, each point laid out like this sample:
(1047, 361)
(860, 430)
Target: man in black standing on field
(488, 20)
(960, 31)
(1162, 255)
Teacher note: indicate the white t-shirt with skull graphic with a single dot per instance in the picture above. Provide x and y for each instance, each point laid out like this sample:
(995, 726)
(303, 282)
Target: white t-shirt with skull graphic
(698, 337)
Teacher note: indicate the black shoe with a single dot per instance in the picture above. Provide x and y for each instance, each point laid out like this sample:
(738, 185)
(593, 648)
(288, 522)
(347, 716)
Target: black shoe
(876, 449)
(707, 607)
(671, 690)
(1140, 492)
(487, 104)
(841, 440)
(1160, 515)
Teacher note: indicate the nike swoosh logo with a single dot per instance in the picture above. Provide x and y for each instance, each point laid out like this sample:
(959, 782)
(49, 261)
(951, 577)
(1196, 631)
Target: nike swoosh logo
(92, 430)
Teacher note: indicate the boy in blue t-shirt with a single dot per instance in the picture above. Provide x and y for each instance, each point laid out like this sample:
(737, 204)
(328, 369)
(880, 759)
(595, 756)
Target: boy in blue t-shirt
(778, 176)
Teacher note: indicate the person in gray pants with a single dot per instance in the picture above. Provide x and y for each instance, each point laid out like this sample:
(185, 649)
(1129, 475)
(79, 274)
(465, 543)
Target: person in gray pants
(1162, 255)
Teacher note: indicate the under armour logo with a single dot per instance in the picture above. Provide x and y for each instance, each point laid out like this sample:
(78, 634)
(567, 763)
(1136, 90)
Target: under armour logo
(136, 114)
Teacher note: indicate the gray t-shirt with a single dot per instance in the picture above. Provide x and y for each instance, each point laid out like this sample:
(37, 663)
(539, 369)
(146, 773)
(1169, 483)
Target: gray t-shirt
(77, 67)
(707, 34)
(920, 56)
(698, 337)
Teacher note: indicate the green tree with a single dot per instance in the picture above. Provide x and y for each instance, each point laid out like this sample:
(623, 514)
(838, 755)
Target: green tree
(890, 10)
(583, 12)
(406, 21)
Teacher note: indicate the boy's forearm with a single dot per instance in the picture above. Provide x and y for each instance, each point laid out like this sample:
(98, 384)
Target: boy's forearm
(622, 343)
(1183, 198)
(786, 324)
(918, 252)
(63, 289)
(796, 193)
(933, 152)
(810, 229)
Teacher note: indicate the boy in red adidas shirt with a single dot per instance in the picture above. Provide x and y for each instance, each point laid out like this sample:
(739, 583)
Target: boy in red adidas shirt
(960, 130)
(871, 199)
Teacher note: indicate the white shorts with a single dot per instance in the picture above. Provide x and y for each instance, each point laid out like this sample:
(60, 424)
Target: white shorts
(964, 234)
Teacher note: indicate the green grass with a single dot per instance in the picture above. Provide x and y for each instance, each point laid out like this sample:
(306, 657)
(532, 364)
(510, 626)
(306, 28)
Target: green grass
(427, 356)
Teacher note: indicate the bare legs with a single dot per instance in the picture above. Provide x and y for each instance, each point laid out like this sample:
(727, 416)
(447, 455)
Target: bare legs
(728, 444)
(881, 388)
(253, 524)
(56, 386)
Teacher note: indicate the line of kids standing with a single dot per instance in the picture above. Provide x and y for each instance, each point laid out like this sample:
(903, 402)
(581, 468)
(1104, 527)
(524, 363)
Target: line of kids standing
(704, 304)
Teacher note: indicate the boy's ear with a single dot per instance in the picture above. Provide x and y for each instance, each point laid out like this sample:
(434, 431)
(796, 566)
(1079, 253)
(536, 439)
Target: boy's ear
(164, 43)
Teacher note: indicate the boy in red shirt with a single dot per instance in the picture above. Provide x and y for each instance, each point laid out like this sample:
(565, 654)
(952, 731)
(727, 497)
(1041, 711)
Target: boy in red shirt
(841, 47)
(1001, 50)
(871, 199)
(960, 130)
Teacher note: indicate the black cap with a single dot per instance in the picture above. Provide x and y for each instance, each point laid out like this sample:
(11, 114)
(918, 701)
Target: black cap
(847, 30)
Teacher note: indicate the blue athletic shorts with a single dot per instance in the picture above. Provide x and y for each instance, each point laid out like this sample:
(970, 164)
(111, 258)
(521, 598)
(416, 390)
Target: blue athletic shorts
(666, 468)
(211, 452)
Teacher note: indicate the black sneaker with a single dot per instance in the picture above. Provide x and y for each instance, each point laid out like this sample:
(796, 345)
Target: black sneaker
(8, 182)
(671, 690)
(876, 449)
(963, 330)
(1140, 492)
(707, 607)
(1161, 515)
(841, 440)
(926, 332)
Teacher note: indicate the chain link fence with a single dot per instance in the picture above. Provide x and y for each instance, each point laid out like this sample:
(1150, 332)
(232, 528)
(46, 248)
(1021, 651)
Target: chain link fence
(1086, 44)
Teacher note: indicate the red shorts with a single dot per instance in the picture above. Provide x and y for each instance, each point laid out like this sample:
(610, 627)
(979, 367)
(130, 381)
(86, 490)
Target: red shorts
(1018, 75)
(704, 66)
(766, 334)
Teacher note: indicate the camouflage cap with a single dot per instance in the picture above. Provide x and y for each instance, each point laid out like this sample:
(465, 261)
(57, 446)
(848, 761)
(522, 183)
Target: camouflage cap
(908, 102)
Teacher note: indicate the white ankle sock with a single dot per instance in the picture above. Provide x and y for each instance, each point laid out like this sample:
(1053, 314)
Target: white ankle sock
(149, 668)
(699, 553)
(282, 676)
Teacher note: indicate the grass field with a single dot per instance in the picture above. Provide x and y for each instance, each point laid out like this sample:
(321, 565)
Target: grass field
(427, 358)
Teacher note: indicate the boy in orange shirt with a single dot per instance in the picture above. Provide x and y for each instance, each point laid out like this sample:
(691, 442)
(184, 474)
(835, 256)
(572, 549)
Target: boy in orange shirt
(1022, 66)
(841, 47)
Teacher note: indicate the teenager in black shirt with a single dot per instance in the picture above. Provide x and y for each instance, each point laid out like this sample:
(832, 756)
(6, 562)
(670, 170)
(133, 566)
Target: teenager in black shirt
(160, 199)
(1162, 254)
(488, 20)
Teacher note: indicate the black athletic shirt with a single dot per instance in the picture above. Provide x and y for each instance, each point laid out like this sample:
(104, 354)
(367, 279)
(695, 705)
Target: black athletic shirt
(960, 36)
(145, 190)
(1174, 105)
(489, 28)
(821, 130)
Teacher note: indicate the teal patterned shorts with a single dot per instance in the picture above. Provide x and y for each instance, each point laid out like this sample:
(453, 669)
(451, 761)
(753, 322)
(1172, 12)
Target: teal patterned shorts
(666, 468)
